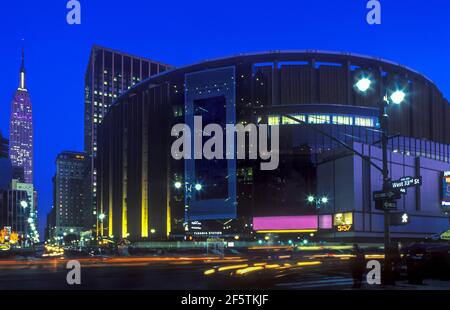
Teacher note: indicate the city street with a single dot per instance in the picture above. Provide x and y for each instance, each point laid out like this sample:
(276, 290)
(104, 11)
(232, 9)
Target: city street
(219, 154)
(189, 273)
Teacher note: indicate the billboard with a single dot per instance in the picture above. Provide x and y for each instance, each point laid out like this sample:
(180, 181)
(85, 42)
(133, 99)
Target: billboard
(301, 223)
(446, 190)
(343, 222)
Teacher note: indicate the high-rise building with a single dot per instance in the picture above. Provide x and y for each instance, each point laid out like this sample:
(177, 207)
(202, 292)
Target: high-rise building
(3, 147)
(5, 165)
(109, 74)
(31, 207)
(21, 128)
(14, 213)
(68, 192)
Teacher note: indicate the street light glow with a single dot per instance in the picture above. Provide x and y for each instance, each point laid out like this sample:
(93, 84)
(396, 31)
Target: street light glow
(310, 198)
(363, 84)
(324, 199)
(398, 96)
(24, 204)
(177, 185)
(198, 187)
(101, 216)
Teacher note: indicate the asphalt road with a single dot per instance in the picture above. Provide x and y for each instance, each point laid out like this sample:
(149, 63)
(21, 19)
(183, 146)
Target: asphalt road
(300, 272)
(187, 273)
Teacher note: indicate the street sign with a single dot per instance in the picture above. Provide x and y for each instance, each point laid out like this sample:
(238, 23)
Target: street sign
(392, 194)
(406, 182)
(385, 205)
(398, 218)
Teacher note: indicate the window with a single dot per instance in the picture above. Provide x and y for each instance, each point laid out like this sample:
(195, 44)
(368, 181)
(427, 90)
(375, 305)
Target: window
(287, 121)
(318, 119)
(342, 120)
(364, 121)
(274, 120)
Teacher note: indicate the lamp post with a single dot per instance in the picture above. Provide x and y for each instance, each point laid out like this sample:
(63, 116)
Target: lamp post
(317, 200)
(397, 97)
(101, 218)
(189, 187)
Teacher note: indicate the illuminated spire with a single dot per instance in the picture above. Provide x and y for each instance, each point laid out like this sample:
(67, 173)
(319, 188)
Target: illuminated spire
(22, 72)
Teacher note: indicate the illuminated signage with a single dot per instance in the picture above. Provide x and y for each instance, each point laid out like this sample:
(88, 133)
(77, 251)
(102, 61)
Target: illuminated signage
(446, 189)
(207, 233)
(343, 222)
(286, 223)
(326, 221)
(399, 218)
(344, 227)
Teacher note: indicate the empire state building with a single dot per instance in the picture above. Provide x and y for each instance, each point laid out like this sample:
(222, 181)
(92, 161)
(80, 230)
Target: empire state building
(21, 128)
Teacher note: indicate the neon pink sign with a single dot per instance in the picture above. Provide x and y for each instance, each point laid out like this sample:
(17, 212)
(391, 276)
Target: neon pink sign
(302, 222)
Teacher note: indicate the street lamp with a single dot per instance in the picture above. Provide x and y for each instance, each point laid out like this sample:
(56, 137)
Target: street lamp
(363, 84)
(189, 188)
(24, 204)
(102, 216)
(396, 97)
(318, 201)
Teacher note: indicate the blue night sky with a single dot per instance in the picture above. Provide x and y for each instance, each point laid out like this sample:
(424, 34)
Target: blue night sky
(414, 33)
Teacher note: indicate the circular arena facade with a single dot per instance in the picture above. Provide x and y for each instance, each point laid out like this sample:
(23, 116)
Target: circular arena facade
(136, 172)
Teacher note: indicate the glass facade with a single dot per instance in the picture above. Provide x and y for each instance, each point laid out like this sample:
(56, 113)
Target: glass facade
(210, 94)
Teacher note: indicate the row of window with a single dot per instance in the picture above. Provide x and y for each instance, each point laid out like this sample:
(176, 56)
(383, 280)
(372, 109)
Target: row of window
(363, 121)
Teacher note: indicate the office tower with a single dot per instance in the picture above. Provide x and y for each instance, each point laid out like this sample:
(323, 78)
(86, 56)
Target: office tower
(5, 165)
(21, 128)
(68, 192)
(3, 147)
(14, 212)
(18, 174)
(31, 207)
(109, 74)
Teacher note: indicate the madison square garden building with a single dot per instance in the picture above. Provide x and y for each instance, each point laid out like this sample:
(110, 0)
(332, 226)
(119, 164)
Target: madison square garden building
(319, 186)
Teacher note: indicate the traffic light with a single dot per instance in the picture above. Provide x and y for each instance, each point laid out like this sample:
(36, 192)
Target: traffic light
(398, 218)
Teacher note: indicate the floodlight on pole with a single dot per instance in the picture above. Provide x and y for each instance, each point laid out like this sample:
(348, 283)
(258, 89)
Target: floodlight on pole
(363, 84)
(398, 96)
